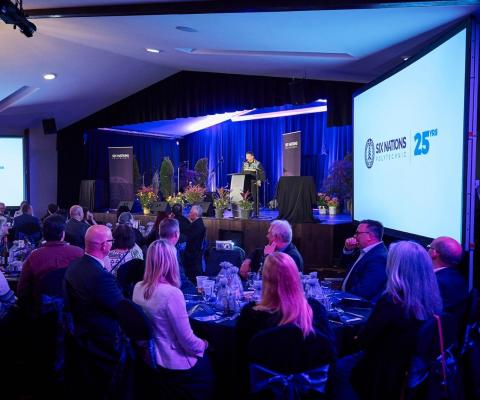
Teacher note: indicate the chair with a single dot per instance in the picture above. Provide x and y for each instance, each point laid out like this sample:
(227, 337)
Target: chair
(285, 365)
(215, 257)
(470, 348)
(425, 377)
(129, 274)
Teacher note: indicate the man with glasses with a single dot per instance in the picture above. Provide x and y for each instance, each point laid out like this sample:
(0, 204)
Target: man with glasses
(446, 254)
(365, 257)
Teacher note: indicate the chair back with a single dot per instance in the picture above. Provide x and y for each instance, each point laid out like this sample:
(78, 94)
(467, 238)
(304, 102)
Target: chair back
(216, 256)
(287, 365)
(129, 274)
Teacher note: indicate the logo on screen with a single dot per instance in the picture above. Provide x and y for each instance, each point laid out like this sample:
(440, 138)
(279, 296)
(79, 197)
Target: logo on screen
(369, 153)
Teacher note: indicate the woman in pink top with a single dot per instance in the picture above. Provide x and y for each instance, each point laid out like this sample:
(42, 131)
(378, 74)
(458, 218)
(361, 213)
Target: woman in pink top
(180, 357)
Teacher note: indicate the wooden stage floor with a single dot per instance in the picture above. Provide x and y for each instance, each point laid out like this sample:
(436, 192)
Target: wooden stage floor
(320, 243)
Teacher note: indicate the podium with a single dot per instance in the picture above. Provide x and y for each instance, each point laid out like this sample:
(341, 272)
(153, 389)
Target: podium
(240, 182)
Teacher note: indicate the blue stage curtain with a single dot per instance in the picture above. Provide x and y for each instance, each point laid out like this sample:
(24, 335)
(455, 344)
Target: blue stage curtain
(148, 151)
(229, 141)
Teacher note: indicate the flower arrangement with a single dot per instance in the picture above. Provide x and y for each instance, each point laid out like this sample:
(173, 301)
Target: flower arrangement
(147, 196)
(194, 194)
(323, 199)
(245, 203)
(222, 198)
(333, 202)
(176, 199)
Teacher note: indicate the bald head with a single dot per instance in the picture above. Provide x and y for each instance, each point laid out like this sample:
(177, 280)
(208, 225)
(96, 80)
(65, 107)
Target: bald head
(98, 241)
(445, 252)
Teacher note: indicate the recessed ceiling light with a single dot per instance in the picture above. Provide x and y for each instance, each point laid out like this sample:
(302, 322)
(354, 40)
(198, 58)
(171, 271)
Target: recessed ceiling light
(404, 58)
(49, 76)
(186, 29)
(151, 50)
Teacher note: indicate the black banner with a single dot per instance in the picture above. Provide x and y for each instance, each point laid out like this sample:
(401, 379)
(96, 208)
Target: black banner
(292, 153)
(120, 160)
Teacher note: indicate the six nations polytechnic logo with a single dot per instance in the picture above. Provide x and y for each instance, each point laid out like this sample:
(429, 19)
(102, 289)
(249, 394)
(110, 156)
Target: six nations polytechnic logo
(369, 153)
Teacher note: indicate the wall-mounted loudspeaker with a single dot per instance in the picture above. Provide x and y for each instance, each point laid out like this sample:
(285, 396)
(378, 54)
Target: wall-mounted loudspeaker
(49, 126)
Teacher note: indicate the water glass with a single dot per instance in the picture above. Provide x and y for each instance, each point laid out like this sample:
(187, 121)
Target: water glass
(251, 277)
(257, 287)
(208, 286)
(326, 287)
(200, 280)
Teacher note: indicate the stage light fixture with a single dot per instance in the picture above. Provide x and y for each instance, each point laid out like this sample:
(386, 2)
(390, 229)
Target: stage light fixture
(12, 13)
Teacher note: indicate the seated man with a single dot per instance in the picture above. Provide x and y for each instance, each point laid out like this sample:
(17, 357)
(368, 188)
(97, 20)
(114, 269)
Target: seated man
(126, 218)
(54, 255)
(99, 320)
(76, 229)
(365, 257)
(279, 237)
(446, 254)
(27, 226)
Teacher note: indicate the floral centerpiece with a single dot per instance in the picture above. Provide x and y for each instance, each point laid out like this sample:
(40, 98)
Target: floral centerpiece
(322, 202)
(146, 196)
(194, 194)
(333, 204)
(222, 198)
(245, 203)
(176, 199)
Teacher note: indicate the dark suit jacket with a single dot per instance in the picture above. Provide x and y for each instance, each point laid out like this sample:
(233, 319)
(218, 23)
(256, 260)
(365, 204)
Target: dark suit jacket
(92, 295)
(29, 226)
(389, 340)
(184, 224)
(368, 277)
(453, 289)
(258, 257)
(75, 232)
(195, 236)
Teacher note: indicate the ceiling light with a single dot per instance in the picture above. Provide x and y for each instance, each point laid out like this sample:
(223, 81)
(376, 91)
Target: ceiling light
(150, 50)
(277, 114)
(404, 58)
(264, 53)
(185, 29)
(49, 76)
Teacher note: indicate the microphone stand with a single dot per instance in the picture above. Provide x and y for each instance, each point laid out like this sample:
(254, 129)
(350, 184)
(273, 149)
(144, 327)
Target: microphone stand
(256, 193)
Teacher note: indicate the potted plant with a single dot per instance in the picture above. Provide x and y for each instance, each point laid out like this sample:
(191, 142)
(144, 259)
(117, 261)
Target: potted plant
(339, 182)
(221, 201)
(322, 202)
(245, 205)
(176, 199)
(333, 205)
(201, 172)
(194, 194)
(146, 196)
(166, 177)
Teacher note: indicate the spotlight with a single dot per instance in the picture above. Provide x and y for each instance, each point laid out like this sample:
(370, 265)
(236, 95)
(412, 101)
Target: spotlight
(13, 14)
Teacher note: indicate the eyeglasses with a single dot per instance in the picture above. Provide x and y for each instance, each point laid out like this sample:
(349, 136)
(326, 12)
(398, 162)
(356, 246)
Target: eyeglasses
(358, 233)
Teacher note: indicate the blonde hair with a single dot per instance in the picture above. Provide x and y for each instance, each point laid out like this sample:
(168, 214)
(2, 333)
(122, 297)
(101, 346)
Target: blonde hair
(283, 292)
(161, 267)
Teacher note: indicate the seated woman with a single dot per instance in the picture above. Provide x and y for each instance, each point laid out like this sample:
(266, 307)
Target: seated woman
(181, 362)
(124, 248)
(283, 302)
(389, 337)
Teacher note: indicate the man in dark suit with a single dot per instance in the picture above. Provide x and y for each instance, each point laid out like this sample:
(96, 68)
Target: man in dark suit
(279, 237)
(446, 254)
(95, 301)
(27, 226)
(193, 251)
(365, 257)
(76, 228)
(183, 222)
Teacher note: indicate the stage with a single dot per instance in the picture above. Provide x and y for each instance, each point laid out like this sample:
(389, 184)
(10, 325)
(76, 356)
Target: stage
(319, 242)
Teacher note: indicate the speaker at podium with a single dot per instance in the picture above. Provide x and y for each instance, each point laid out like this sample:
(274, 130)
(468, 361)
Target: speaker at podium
(240, 182)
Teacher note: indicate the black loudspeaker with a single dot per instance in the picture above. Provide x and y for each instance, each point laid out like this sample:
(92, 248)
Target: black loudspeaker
(49, 126)
(159, 206)
(128, 204)
(297, 92)
(207, 208)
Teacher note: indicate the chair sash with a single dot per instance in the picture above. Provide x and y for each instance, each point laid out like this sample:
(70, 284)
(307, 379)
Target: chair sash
(288, 387)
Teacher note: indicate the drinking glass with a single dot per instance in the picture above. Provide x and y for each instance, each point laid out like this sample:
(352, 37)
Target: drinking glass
(257, 287)
(200, 280)
(250, 279)
(208, 286)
